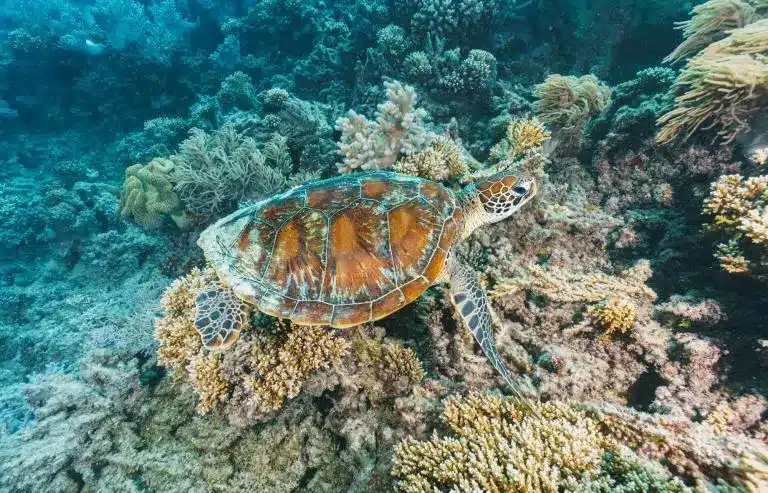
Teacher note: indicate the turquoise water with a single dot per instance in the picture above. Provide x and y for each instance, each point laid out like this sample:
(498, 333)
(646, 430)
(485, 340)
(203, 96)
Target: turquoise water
(627, 297)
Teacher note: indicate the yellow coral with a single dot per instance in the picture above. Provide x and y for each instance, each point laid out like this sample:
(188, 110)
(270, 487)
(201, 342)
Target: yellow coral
(523, 134)
(442, 161)
(205, 376)
(501, 445)
(148, 194)
(616, 314)
(284, 362)
(738, 207)
(724, 86)
(175, 330)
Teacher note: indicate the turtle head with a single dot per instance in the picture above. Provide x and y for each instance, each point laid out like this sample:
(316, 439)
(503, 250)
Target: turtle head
(502, 194)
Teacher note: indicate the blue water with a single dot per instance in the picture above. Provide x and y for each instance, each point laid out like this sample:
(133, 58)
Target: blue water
(90, 88)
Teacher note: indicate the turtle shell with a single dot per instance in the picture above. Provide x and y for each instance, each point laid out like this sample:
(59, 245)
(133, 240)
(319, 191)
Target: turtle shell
(337, 252)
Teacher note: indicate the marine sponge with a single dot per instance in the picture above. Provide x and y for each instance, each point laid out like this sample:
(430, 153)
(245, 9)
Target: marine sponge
(501, 445)
(442, 161)
(569, 102)
(724, 86)
(148, 195)
(398, 131)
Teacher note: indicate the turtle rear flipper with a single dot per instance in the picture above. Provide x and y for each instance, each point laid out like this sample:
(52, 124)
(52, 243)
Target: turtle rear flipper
(219, 316)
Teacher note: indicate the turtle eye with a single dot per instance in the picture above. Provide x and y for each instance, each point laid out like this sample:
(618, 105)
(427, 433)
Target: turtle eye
(520, 190)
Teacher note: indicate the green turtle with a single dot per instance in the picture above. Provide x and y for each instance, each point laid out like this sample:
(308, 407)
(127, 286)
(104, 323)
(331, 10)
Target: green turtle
(350, 250)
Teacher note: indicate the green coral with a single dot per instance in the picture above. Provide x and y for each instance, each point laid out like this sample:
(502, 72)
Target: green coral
(148, 195)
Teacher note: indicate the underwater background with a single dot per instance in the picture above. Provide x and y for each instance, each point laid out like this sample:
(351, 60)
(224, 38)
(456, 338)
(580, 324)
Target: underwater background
(630, 293)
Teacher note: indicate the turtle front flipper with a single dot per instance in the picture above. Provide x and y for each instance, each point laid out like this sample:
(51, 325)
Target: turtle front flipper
(472, 306)
(219, 315)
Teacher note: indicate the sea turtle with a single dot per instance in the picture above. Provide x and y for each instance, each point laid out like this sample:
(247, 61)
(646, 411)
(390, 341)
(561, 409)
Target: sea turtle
(350, 250)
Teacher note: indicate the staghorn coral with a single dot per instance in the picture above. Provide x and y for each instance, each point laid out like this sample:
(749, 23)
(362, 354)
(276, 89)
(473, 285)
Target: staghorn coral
(442, 161)
(710, 22)
(724, 87)
(616, 314)
(148, 194)
(695, 450)
(568, 103)
(565, 286)
(523, 135)
(398, 131)
(738, 208)
(501, 445)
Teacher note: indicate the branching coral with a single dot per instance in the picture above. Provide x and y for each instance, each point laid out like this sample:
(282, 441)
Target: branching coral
(213, 172)
(566, 286)
(442, 161)
(501, 445)
(398, 131)
(175, 331)
(724, 86)
(568, 103)
(148, 195)
(739, 208)
(284, 361)
(205, 376)
(695, 450)
(616, 314)
(523, 135)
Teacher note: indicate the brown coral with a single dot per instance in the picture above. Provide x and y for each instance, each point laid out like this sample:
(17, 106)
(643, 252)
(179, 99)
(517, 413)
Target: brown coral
(441, 161)
(616, 314)
(175, 330)
(501, 445)
(284, 361)
(205, 376)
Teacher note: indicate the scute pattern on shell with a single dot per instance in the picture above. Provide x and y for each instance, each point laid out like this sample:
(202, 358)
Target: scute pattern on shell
(338, 252)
